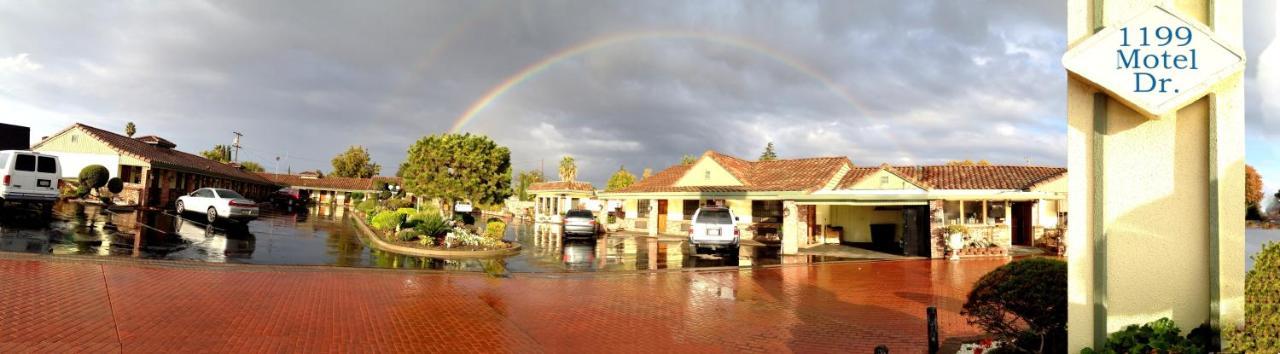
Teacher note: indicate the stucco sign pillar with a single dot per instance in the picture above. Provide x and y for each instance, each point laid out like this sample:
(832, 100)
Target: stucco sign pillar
(1155, 110)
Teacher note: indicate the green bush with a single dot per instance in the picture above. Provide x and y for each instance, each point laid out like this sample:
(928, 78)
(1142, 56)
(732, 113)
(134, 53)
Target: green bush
(357, 196)
(94, 176)
(1028, 295)
(408, 235)
(115, 185)
(1261, 332)
(495, 230)
(1161, 336)
(396, 203)
(387, 220)
(432, 225)
(366, 206)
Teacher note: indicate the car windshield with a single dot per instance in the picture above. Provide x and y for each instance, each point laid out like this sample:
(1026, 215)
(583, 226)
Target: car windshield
(718, 217)
(579, 214)
(228, 194)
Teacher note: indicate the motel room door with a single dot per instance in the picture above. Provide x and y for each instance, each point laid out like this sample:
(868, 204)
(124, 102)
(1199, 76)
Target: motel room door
(1021, 223)
(662, 215)
(915, 231)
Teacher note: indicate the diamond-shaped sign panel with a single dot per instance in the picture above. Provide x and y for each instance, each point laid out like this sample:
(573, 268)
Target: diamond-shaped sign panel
(1156, 62)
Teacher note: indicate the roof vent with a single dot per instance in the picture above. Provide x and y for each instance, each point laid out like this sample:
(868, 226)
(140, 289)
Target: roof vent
(157, 142)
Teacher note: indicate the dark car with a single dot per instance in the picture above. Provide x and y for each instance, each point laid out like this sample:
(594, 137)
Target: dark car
(286, 197)
(580, 223)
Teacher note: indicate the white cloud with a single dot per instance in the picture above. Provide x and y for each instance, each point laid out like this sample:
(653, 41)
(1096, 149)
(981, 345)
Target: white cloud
(18, 63)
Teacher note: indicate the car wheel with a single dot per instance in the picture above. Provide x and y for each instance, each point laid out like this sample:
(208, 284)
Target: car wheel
(180, 208)
(212, 215)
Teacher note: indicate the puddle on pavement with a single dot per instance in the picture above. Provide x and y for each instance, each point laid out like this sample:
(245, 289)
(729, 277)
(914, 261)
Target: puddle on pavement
(326, 236)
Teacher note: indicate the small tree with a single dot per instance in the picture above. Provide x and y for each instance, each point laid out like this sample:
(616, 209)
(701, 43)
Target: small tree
(688, 159)
(968, 163)
(524, 180)
(219, 153)
(620, 179)
(568, 169)
(1252, 193)
(454, 167)
(1025, 296)
(649, 172)
(768, 154)
(129, 129)
(115, 185)
(355, 162)
(92, 177)
(251, 166)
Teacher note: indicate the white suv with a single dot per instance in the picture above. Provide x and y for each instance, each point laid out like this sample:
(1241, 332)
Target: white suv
(714, 228)
(29, 177)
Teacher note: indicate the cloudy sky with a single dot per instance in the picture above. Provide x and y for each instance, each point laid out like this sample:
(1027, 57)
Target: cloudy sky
(611, 83)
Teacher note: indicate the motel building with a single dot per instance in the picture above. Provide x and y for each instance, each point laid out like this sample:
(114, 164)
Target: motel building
(807, 202)
(552, 199)
(320, 189)
(154, 172)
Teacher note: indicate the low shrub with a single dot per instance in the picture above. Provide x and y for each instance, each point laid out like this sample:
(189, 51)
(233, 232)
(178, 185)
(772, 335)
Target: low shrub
(115, 185)
(396, 203)
(1028, 295)
(495, 230)
(387, 220)
(426, 240)
(1161, 336)
(367, 206)
(463, 237)
(1261, 331)
(357, 196)
(408, 235)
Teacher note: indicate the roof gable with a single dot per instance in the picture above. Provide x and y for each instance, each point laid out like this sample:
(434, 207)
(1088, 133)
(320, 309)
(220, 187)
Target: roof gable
(882, 178)
(712, 171)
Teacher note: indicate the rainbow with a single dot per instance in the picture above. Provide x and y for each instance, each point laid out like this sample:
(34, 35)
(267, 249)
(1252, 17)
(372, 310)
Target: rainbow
(601, 42)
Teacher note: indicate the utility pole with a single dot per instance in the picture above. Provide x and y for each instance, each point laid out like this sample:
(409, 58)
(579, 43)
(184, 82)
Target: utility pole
(236, 144)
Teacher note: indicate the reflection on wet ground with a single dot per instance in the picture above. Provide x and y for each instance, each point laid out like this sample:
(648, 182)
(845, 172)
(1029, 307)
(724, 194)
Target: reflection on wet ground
(326, 236)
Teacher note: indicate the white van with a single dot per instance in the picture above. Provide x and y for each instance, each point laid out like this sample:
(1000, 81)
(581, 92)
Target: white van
(29, 177)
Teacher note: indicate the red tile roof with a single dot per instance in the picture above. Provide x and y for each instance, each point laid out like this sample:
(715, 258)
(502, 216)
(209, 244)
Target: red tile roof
(336, 183)
(964, 177)
(810, 174)
(562, 186)
(166, 158)
(757, 176)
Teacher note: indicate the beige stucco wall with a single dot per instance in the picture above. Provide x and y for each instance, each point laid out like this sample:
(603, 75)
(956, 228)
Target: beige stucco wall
(1156, 178)
(706, 172)
(1057, 185)
(892, 182)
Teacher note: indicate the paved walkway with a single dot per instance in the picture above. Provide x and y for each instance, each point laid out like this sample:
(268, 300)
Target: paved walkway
(60, 305)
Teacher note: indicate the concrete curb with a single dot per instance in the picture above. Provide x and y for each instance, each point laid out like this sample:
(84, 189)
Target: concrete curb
(378, 243)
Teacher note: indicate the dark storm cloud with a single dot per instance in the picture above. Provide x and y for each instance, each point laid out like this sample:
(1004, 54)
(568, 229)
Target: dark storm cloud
(929, 81)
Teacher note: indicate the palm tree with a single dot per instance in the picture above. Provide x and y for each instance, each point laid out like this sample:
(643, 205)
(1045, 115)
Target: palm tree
(568, 169)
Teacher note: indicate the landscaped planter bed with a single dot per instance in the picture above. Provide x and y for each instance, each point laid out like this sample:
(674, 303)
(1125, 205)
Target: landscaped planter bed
(413, 248)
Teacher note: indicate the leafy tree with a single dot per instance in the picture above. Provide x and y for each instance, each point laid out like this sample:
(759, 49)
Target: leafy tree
(1024, 296)
(620, 179)
(688, 159)
(219, 153)
(355, 163)
(252, 166)
(129, 129)
(649, 172)
(92, 177)
(383, 188)
(1261, 332)
(768, 154)
(524, 180)
(454, 167)
(968, 163)
(568, 169)
(1252, 192)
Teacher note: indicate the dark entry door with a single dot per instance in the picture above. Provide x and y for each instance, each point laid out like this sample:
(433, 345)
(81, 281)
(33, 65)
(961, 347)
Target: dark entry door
(915, 231)
(1021, 223)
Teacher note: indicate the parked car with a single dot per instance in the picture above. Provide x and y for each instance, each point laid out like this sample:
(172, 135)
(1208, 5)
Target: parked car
(287, 197)
(714, 228)
(218, 203)
(29, 178)
(579, 223)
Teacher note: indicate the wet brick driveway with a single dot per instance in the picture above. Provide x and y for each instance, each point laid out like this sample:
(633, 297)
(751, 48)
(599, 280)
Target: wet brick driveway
(57, 304)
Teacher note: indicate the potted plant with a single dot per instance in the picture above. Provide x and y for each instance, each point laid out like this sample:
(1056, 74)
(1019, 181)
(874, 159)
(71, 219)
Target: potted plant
(956, 234)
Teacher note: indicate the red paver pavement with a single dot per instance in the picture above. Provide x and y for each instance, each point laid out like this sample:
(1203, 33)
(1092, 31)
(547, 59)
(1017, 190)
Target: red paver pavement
(56, 305)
